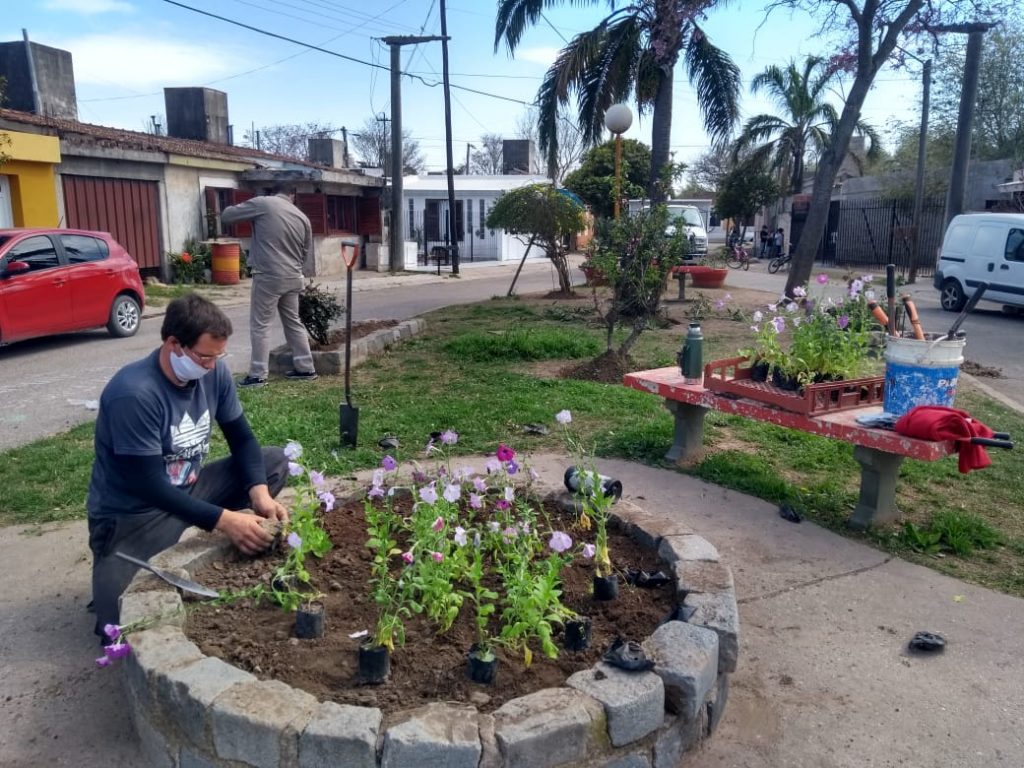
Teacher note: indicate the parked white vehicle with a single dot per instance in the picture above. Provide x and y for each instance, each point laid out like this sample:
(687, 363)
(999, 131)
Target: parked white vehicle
(684, 215)
(982, 248)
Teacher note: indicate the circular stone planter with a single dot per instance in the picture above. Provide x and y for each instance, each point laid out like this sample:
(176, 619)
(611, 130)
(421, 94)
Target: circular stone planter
(332, 362)
(193, 710)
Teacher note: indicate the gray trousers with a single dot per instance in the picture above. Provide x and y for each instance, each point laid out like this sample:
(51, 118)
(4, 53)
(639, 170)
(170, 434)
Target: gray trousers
(146, 534)
(280, 293)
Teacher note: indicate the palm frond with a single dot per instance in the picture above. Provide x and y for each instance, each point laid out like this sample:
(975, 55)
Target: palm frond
(717, 81)
(609, 74)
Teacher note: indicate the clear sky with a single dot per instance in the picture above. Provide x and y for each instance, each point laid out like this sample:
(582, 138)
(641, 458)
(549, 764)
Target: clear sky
(126, 51)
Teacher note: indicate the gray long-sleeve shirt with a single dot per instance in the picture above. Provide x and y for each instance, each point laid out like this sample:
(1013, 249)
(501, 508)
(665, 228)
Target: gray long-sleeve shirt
(282, 240)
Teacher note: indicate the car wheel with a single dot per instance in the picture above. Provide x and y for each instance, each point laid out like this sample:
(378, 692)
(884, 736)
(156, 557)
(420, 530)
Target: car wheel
(951, 296)
(125, 317)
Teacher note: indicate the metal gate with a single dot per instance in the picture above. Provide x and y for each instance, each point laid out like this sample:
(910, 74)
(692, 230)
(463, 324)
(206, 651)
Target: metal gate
(126, 208)
(873, 232)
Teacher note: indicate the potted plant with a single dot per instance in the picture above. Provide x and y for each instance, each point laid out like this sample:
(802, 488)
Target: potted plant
(711, 271)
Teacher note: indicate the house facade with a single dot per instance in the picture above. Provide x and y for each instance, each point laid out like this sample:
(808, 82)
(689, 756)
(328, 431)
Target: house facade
(426, 218)
(28, 190)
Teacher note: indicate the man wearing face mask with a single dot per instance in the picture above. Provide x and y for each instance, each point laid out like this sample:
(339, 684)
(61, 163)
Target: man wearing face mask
(149, 482)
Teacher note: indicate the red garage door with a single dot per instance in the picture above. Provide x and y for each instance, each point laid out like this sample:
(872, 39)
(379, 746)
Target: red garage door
(125, 208)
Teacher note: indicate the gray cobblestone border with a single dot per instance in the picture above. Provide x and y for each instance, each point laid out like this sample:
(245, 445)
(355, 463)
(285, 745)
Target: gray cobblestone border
(195, 711)
(333, 362)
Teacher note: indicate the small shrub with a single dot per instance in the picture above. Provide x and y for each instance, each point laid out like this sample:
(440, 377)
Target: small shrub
(543, 344)
(317, 310)
(959, 532)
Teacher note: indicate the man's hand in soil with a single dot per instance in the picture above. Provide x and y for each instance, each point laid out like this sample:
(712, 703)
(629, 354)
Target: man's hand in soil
(264, 505)
(244, 530)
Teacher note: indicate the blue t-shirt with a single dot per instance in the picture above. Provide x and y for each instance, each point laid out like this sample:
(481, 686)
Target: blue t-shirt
(143, 413)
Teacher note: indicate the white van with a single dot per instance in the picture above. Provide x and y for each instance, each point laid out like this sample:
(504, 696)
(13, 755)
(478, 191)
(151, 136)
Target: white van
(685, 214)
(982, 248)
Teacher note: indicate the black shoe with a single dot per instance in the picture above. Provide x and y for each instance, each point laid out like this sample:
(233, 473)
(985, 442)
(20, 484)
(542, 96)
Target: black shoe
(252, 382)
(627, 655)
(302, 375)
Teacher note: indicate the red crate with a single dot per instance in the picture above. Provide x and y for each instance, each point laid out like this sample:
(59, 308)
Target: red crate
(730, 377)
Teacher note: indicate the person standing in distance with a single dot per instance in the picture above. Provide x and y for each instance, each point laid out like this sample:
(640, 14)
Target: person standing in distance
(149, 483)
(280, 257)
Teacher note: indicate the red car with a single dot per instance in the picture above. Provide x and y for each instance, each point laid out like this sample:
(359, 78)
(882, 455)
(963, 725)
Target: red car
(60, 280)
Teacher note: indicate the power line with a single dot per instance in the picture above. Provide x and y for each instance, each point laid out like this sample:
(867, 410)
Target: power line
(340, 55)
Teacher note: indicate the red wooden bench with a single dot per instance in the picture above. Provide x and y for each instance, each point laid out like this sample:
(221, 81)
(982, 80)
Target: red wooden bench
(878, 451)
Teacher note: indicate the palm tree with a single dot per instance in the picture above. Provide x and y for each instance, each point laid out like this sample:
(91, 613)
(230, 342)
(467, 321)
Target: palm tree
(632, 52)
(783, 143)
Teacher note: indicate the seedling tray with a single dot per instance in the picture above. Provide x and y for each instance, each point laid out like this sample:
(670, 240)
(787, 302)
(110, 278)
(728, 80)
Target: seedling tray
(732, 376)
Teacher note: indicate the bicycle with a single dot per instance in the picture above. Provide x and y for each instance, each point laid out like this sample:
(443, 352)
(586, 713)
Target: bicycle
(739, 257)
(780, 261)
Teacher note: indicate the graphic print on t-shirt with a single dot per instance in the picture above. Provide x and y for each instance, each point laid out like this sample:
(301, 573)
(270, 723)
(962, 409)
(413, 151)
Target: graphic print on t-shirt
(191, 442)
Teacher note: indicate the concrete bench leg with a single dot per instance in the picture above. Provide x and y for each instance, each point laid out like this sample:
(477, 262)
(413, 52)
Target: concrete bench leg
(688, 441)
(878, 474)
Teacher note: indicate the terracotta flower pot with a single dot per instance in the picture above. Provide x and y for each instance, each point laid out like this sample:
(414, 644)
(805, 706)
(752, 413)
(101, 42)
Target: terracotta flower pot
(708, 277)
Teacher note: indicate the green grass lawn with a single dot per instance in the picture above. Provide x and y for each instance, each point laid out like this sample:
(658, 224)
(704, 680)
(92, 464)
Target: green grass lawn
(466, 374)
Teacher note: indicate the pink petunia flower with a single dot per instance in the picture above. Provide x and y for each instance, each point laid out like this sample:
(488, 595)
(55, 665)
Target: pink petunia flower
(476, 501)
(449, 437)
(407, 557)
(389, 463)
(438, 557)
(822, 279)
(112, 631)
(504, 453)
(438, 524)
(429, 494)
(493, 466)
(560, 541)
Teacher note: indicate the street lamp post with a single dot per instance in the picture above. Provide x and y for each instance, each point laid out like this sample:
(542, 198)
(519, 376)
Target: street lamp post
(617, 119)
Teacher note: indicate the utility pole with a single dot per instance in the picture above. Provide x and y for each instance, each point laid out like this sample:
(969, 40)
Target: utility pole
(396, 239)
(344, 151)
(922, 151)
(968, 93)
(468, 147)
(383, 118)
(452, 218)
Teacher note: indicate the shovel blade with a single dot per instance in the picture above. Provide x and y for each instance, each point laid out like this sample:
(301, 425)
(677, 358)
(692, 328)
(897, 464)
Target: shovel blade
(348, 420)
(178, 581)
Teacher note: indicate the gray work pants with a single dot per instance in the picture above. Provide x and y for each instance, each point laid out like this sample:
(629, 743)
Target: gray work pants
(281, 293)
(146, 534)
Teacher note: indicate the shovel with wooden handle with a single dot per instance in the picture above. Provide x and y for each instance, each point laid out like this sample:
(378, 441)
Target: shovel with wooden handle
(348, 414)
(180, 582)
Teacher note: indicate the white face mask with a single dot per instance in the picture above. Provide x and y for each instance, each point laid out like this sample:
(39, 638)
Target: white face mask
(187, 369)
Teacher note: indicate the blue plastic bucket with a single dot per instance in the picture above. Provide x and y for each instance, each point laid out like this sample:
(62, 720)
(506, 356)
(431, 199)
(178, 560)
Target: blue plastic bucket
(921, 372)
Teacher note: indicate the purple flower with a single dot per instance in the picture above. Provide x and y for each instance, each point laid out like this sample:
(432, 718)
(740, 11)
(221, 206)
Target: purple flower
(460, 536)
(510, 533)
(112, 631)
(720, 304)
(792, 307)
(560, 541)
(438, 524)
(510, 493)
(418, 477)
(494, 526)
(511, 467)
(117, 651)
(589, 550)
(428, 493)
(504, 453)
(502, 504)
(822, 279)
(293, 450)
(479, 484)
(389, 463)
(102, 661)
(316, 478)
(755, 328)
(493, 466)
(327, 498)
(449, 437)
(780, 323)
(844, 320)
(476, 501)
(463, 474)
(378, 477)
(438, 557)
(525, 527)
(407, 557)
(856, 286)
(294, 540)
(867, 278)
(294, 469)
(563, 417)
(799, 292)
(376, 492)
(452, 491)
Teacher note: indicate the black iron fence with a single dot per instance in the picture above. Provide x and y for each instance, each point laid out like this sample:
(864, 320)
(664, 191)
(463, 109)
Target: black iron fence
(868, 233)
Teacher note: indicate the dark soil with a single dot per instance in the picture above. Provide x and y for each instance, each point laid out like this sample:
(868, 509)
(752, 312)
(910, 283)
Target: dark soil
(430, 667)
(336, 336)
(975, 369)
(607, 368)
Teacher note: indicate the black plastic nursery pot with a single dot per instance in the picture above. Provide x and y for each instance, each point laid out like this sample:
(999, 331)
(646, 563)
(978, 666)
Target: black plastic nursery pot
(374, 664)
(759, 371)
(606, 587)
(309, 621)
(481, 667)
(577, 634)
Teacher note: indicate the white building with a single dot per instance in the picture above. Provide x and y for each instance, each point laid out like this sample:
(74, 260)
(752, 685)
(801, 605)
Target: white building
(426, 218)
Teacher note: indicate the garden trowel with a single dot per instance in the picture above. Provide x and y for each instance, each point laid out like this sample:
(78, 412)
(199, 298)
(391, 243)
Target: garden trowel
(179, 581)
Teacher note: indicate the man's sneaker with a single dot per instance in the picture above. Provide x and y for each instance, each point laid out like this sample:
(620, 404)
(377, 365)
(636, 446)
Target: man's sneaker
(252, 382)
(302, 375)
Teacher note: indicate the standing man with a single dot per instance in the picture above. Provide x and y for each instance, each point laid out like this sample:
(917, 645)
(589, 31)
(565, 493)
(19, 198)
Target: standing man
(152, 436)
(764, 240)
(280, 257)
(780, 242)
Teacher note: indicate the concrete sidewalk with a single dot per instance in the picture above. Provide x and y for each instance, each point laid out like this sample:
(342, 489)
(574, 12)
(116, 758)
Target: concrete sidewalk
(824, 678)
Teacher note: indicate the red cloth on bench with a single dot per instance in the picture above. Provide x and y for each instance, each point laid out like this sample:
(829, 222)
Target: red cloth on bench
(937, 422)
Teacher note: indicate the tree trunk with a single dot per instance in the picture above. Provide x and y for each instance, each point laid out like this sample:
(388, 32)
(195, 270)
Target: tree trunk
(558, 258)
(828, 166)
(661, 137)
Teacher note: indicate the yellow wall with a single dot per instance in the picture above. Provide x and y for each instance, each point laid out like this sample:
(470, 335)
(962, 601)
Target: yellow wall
(30, 171)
